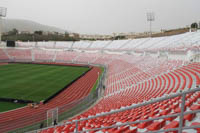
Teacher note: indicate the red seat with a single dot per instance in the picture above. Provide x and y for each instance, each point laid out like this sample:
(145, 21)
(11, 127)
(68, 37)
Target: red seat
(195, 107)
(112, 129)
(122, 129)
(132, 131)
(174, 106)
(189, 117)
(170, 118)
(153, 113)
(156, 125)
(144, 124)
(165, 112)
(196, 124)
(173, 124)
(178, 109)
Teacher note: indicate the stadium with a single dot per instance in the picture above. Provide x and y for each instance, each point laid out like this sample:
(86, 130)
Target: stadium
(149, 83)
(139, 85)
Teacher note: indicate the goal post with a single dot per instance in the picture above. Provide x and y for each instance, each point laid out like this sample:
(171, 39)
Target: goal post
(52, 117)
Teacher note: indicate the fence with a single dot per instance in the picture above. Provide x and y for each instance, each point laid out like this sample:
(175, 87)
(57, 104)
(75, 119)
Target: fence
(181, 114)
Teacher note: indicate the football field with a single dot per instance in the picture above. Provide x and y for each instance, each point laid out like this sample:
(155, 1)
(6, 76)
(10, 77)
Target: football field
(35, 82)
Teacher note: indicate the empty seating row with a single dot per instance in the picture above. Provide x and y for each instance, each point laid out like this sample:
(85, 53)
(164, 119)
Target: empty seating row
(135, 81)
(181, 42)
(130, 80)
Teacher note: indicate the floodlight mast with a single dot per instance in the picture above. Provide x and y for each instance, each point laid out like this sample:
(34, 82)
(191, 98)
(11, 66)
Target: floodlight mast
(150, 18)
(3, 12)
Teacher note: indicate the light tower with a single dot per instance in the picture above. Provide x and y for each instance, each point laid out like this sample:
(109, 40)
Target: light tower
(3, 11)
(150, 19)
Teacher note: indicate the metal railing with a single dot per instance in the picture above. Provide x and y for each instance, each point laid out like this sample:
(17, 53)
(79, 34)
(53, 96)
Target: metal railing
(91, 100)
(181, 114)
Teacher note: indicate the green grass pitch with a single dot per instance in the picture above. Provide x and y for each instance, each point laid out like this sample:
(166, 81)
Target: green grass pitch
(5, 106)
(35, 82)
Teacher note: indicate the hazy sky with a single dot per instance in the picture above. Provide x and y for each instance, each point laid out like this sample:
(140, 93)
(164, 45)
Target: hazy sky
(105, 16)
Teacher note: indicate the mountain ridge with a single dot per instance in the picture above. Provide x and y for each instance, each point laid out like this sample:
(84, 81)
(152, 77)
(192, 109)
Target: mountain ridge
(28, 26)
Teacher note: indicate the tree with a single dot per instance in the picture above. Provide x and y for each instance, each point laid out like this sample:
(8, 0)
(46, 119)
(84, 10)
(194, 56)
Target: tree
(194, 25)
(13, 32)
(38, 32)
(119, 37)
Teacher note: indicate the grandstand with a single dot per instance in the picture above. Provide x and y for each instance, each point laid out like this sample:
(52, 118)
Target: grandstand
(152, 85)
